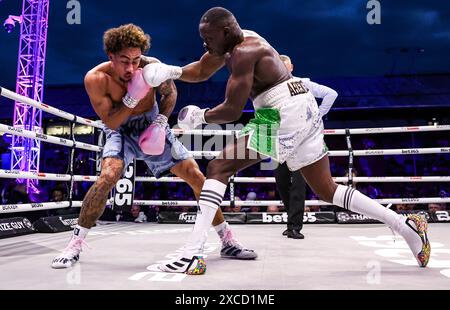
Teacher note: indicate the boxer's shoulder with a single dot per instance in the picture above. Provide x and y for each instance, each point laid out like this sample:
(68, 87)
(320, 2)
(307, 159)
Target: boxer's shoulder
(246, 51)
(96, 78)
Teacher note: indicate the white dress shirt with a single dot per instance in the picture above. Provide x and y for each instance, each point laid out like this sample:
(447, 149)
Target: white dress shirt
(328, 95)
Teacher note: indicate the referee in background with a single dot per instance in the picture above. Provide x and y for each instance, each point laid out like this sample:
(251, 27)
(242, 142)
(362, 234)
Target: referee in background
(291, 185)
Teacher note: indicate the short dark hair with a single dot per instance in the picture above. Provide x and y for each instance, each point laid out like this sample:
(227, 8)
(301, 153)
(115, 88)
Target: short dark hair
(218, 16)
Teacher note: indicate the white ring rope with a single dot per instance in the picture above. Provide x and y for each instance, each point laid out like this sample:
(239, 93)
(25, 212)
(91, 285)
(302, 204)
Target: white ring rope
(191, 203)
(12, 208)
(49, 109)
(331, 132)
(46, 138)
(90, 147)
(431, 150)
(14, 174)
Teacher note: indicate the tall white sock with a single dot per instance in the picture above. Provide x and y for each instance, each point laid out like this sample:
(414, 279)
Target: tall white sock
(80, 232)
(351, 199)
(220, 228)
(225, 234)
(210, 199)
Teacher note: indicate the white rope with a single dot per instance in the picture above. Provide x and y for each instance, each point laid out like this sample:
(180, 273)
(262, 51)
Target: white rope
(355, 131)
(204, 132)
(431, 150)
(10, 208)
(15, 174)
(173, 203)
(46, 138)
(37, 206)
(49, 109)
(90, 147)
(434, 150)
(418, 179)
(360, 131)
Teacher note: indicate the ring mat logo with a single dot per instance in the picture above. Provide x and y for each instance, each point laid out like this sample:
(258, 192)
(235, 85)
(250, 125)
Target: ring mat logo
(155, 276)
(397, 251)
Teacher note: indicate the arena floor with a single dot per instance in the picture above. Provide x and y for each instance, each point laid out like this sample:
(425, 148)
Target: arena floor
(331, 257)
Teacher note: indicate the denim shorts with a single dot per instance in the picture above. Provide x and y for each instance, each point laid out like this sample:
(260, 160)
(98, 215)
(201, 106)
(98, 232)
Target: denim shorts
(123, 143)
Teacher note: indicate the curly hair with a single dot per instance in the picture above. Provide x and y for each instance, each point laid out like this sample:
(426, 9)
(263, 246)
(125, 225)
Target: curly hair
(126, 36)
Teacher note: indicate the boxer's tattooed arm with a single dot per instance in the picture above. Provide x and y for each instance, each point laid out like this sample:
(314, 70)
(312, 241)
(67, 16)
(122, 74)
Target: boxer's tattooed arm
(168, 92)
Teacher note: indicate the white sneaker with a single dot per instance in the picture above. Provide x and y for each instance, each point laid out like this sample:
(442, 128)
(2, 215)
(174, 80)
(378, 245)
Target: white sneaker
(191, 265)
(237, 251)
(418, 242)
(231, 248)
(189, 260)
(142, 218)
(70, 255)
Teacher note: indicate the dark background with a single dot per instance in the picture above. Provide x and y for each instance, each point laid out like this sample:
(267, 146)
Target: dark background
(326, 38)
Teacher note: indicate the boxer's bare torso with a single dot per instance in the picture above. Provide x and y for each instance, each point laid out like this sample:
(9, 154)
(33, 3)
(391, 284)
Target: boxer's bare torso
(106, 88)
(107, 83)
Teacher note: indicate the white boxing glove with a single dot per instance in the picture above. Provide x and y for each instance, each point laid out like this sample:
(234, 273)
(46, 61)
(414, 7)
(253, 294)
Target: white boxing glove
(191, 116)
(157, 73)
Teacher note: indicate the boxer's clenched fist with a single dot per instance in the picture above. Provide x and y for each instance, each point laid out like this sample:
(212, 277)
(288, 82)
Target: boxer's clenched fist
(137, 89)
(191, 116)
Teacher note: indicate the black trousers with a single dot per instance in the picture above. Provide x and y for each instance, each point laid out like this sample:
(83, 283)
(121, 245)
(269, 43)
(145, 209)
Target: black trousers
(291, 187)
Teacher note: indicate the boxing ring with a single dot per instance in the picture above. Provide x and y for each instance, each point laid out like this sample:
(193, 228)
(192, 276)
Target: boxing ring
(332, 256)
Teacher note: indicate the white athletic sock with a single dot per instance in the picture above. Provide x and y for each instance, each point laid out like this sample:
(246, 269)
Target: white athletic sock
(220, 228)
(210, 199)
(225, 234)
(351, 199)
(80, 232)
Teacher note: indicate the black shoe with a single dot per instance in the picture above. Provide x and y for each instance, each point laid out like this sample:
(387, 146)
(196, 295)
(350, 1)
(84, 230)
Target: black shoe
(295, 234)
(285, 233)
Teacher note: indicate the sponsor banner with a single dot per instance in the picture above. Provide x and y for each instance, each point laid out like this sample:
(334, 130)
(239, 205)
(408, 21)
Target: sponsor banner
(281, 218)
(9, 207)
(168, 217)
(54, 224)
(124, 190)
(440, 216)
(348, 217)
(235, 217)
(15, 226)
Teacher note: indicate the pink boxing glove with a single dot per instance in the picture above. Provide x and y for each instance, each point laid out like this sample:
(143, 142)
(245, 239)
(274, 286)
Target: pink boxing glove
(137, 89)
(153, 139)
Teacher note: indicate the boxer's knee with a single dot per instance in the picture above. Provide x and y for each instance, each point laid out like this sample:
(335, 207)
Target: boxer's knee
(196, 178)
(112, 169)
(326, 192)
(220, 170)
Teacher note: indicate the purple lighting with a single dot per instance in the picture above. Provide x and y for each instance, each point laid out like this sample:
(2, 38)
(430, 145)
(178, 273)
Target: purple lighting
(30, 83)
